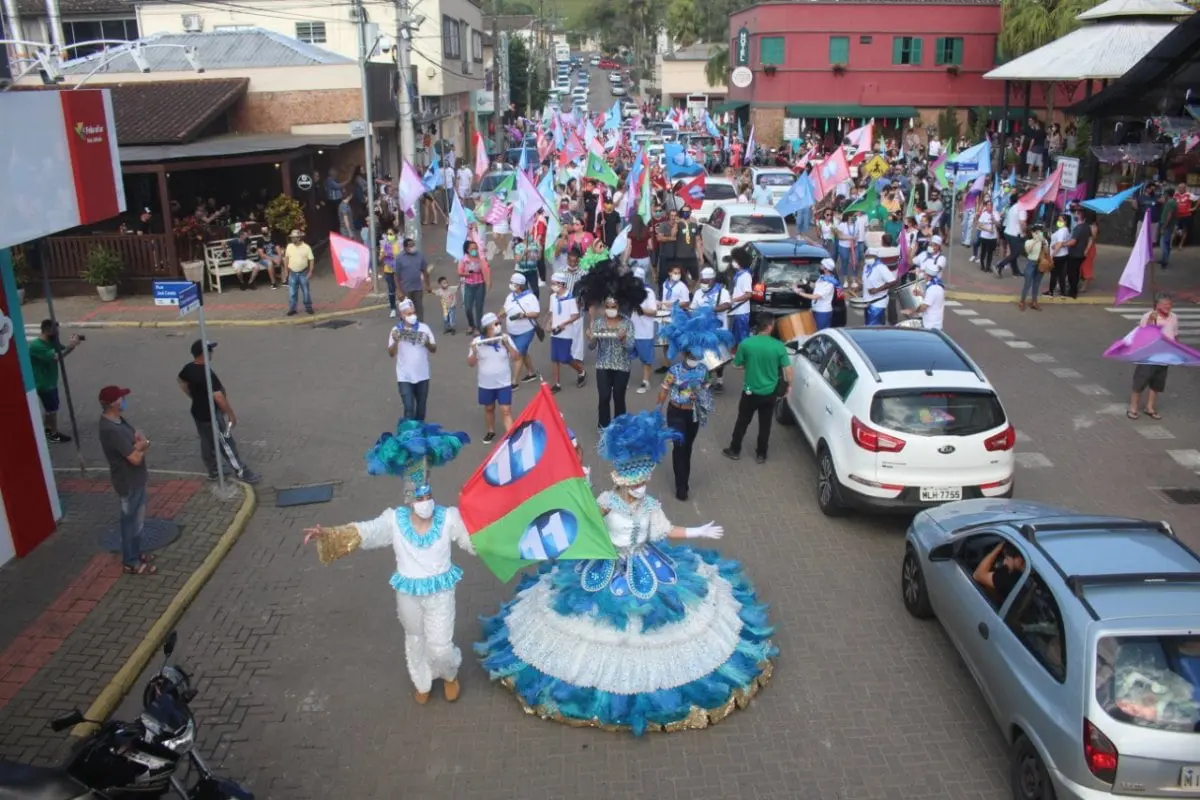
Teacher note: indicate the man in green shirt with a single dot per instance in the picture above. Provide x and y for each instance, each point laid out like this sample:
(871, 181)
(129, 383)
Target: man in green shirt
(764, 358)
(44, 357)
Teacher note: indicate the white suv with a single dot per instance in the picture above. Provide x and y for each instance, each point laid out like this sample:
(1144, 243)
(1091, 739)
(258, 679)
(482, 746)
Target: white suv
(899, 419)
(732, 225)
(717, 192)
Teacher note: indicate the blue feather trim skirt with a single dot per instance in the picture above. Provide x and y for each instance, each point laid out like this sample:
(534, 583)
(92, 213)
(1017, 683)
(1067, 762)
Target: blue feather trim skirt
(667, 639)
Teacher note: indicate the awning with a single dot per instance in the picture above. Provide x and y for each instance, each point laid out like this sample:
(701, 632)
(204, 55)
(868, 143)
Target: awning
(229, 145)
(729, 105)
(847, 110)
(1015, 111)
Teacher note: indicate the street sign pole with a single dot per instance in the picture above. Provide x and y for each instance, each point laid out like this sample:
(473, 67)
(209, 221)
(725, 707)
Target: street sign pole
(190, 298)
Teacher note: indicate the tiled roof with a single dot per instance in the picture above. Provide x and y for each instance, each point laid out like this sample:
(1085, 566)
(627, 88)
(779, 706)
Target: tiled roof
(244, 48)
(71, 8)
(170, 112)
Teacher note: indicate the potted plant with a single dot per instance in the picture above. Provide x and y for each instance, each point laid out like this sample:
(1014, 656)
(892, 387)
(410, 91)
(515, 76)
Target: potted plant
(103, 271)
(839, 69)
(285, 214)
(952, 69)
(770, 69)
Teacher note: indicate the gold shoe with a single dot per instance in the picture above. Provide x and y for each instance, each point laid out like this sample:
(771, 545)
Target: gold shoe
(450, 689)
(421, 697)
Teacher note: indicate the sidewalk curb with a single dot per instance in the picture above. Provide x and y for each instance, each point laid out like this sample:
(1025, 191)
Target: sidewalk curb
(988, 297)
(111, 695)
(223, 323)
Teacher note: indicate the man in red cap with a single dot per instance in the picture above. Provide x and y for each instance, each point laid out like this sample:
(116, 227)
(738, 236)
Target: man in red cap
(125, 449)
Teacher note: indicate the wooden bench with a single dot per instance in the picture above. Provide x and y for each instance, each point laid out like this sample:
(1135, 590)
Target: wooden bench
(218, 262)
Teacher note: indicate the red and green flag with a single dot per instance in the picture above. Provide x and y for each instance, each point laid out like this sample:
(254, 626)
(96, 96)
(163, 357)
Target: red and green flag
(530, 501)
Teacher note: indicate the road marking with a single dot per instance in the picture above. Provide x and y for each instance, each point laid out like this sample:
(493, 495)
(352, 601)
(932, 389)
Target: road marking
(1189, 319)
(1017, 344)
(980, 321)
(1041, 358)
(1023, 437)
(962, 312)
(1113, 409)
(1001, 333)
(1081, 421)
(1188, 459)
(952, 303)
(1033, 461)
(1065, 372)
(1155, 432)
(1093, 389)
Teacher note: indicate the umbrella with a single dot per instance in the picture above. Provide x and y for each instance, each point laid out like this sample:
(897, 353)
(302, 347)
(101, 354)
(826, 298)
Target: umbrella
(1147, 345)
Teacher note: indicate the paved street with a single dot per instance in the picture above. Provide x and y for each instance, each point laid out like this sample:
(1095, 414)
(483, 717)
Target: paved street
(303, 688)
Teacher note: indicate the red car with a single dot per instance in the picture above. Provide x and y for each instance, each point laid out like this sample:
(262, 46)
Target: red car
(608, 63)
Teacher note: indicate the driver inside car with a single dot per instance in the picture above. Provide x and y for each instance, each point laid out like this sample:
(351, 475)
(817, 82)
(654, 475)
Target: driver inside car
(999, 571)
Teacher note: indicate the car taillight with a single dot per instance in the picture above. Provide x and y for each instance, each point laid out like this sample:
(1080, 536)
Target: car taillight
(1005, 440)
(872, 440)
(728, 241)
(760, 292)
(1099, 753)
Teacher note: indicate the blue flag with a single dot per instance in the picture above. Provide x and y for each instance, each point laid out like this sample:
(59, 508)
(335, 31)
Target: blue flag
(740, 137)
(1107, 205)
(456, 230)
(612, 120)
(545, 188)
(432, 178)
(523, 165)
(712, 128)
(679, 163)
(799, 197)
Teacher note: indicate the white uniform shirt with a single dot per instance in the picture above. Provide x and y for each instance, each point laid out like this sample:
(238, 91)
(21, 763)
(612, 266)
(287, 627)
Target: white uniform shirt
(935, 307)
(860, 229)
(717, 295)
(411, 561)
(845, 234)
(826, 229)
(1013, 219)
(561, 310)
(463, 180)
(493, 366)
(448, 178)
(824, 290)
(878, 276)
(986, 223)
(525, 303)
(644, 323)
(675, 294)
(743, 284)
(412, 359)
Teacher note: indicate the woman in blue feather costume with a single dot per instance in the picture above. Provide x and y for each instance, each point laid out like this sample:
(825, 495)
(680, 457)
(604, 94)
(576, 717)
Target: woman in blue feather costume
(664, 637)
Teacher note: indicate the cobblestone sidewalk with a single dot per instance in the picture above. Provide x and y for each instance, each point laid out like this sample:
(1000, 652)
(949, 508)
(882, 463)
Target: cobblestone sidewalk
(71, 619)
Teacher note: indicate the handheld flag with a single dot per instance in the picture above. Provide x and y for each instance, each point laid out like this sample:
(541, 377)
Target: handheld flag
(529, 501)
(692, 192)
(481, 157)
(432, 176)
(1045, 192)
(712, 128)
(800, 195)
(1147, 345)
(679, 163)
(612, 120)
(750, 145)
(529, 201)
(862, 138)
(351, 260)
(410, 188)
(833, 171)
(598, 169)
(456, 229)
(1134, 274)
(643, 208)
(869, 205)
(571, 151)
(620, 242)
(1107, 205)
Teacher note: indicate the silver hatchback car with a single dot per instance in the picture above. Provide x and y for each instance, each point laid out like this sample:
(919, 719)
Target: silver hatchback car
(1083, 634)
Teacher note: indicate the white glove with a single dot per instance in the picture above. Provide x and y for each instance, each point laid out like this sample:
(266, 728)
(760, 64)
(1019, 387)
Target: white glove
(709, 531)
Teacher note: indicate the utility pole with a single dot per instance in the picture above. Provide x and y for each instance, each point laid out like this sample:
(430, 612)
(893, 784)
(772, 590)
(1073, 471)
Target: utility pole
(408, 140)
(364, 55)
(497, 66)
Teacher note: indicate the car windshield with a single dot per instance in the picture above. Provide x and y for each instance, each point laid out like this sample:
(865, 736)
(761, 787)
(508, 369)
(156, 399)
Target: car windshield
(784, 273)
(719, 191)
(1150, 681)
(702, 141)
(494, 179)
(776, 179)
(757, 223)
(937, 412)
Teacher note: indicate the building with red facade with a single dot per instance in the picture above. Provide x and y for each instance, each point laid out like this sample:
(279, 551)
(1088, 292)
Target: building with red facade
(830, 62)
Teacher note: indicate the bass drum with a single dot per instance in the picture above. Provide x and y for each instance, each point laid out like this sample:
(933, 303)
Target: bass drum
(906, 296)
(793, 326)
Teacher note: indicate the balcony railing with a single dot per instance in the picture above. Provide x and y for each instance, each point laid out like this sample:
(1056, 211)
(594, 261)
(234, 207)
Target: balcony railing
(143, 256)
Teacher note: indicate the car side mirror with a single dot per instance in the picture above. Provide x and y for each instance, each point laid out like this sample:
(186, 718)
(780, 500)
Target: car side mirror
(943, 552)
(60, 724)
(794, 346)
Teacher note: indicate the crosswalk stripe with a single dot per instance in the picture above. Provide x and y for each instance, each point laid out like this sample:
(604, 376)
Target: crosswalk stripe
(1189, 319)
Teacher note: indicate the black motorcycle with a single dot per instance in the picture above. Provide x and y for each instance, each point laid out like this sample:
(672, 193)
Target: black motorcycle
(128, 759)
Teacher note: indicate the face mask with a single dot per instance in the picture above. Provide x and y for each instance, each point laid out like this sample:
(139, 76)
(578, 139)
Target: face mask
(637, 492)
(706, 285)
(423, 508)
(675, 277)
(474, 254)
(691, 362)
(124, 404)
(515, 289)
(411, 319)
(1061, 224)
(610, 312)
(391, 237)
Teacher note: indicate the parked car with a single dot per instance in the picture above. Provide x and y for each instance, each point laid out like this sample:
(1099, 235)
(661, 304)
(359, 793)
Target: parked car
(491, 181)
(899, 419)
(717, 191)
(733, 224)
(594, 61)
(777, 179)
(608, 63)
(1088, 653)
(617, 90)
(776, 268)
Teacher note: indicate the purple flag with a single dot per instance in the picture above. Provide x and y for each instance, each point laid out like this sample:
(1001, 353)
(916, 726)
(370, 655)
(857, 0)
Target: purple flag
(973, 193)
(1134, 274)
(1147, 345)
(410, 189)
(528, 202)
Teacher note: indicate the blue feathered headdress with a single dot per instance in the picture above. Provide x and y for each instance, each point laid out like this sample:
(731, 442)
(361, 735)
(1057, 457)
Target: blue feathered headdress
(412, 449)
(634, 444)
(694, 333)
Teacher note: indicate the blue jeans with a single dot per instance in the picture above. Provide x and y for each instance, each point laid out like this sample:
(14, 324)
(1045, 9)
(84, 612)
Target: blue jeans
(1033, 281)
(875, 316)
(413, 396)
(824, 319)
(804, 220)
(449, 318)
(133, 516)
(860, 253)
(1166, 231)
(965, 229)
(843, 262)
(390, 279)
(298, 282)
(473, 296)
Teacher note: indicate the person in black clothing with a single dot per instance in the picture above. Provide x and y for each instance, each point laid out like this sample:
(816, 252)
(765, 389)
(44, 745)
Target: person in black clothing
(1077, 247)
(610, 223)
(192, 382)
(999, 579)
(687, 237)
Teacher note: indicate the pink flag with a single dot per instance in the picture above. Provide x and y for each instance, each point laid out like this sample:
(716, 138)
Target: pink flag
(481, 157)
(803, 162)
(1134, 274)
(572, 151)
(1045, 192)
(529, 201)
(973, 193)
(832, 171)
(410, 188)
(498, 212)
(351, 260)
(1146, 344)
(594, 146)
(862, 138)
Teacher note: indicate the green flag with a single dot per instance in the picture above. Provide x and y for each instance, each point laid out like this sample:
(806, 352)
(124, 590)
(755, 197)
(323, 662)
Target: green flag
(507, 185)
(911, 205)
(869, 205)
(598, 169)
(643, 208)
(940, 169)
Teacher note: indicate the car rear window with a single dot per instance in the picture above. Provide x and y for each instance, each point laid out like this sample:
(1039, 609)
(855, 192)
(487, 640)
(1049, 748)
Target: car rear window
(494, 179)
(776, 179)
(757, 223)
(937, 412)
(719, 191)
(1151, 681)
(784, 273)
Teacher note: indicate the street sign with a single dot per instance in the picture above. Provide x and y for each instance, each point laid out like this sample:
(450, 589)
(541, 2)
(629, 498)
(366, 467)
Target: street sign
(166, 293)
(304, 182)
(877, 167)
(741, 48)
(1070, 172)
(358, 128)
(962, 166)
(189, 299)
(742, 77)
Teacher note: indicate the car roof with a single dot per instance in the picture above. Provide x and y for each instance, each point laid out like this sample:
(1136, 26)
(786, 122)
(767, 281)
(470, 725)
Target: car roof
(790, 248)
(780, 170)
(743, 209)
(915, 350)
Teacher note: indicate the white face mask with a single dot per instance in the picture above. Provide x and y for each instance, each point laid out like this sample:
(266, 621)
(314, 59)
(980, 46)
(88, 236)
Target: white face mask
(515, 289)
(675, 277)
(637, 492)
(692, 362)
(411, 319)
(423, 508)
(610, 313)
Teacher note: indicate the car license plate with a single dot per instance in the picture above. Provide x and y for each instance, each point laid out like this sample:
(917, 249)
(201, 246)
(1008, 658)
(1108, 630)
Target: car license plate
(940, 494)
(1189, 778)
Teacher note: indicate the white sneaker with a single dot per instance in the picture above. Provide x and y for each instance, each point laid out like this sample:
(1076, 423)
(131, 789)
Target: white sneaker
(392, 313)
(644, 387)
(974, 260)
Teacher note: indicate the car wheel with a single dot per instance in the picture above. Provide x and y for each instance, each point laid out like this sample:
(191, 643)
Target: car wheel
(829, 497)
(783, 413)
(1030, 780)
(912, 585)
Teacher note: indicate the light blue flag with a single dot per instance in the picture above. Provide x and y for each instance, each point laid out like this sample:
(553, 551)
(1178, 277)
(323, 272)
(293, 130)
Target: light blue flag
(974, 162)
(553, 229)
(679, 163)
(713, 130)
(612, 120)
(432, 177)
(799, 197)
(1107, 205)
(740, 137)
(545, 188)
(559, 142)
(523, 164)
(456, 230)
(749, 156)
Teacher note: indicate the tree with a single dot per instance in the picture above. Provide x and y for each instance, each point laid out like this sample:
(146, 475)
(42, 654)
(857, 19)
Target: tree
(523, 78)
(1030, 24)
(947, 126)
(716, 69)
(683, 23)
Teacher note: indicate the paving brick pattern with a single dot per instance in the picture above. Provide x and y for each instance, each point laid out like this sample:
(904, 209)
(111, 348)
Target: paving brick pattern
(93, 618)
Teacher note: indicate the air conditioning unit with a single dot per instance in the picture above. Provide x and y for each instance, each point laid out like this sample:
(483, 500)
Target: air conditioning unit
(466, 67)
(193, 23)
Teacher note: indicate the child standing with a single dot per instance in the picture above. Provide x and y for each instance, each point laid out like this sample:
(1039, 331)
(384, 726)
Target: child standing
(449, 296)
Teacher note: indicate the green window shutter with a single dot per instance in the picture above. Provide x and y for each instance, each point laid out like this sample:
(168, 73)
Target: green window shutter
(916, 51)
(897, 49)
(839, 49)
(939, 48)
(771, 50)
(958, 52)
